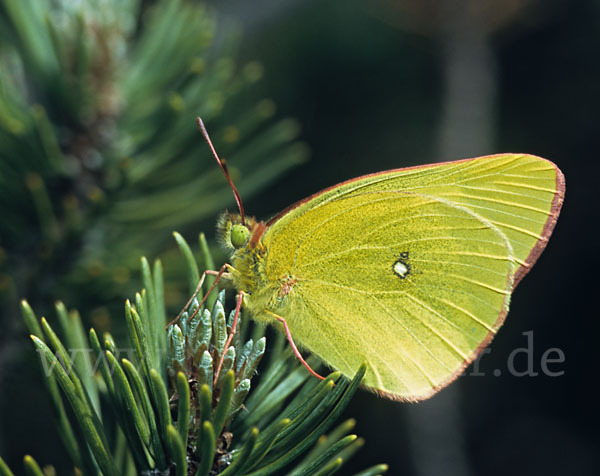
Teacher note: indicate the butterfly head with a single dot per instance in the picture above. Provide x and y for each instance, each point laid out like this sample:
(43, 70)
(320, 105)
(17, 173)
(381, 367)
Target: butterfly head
(232, 233)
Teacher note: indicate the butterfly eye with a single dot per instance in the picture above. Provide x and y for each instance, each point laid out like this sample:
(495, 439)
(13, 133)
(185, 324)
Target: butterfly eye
(239, 235)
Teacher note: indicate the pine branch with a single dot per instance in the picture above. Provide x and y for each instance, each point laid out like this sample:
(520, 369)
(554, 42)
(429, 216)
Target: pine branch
(181, 418)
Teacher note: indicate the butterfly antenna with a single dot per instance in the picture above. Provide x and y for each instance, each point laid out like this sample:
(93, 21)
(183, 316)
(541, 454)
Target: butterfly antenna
(224, 168)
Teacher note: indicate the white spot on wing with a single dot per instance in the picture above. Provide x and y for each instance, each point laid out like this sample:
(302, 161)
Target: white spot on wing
(400, 269)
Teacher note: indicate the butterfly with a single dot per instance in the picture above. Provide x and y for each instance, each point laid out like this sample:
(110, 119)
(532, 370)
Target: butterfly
(409, 271)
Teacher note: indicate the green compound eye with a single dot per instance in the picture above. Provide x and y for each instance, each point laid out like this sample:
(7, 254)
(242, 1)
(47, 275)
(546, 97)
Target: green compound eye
(239, 235)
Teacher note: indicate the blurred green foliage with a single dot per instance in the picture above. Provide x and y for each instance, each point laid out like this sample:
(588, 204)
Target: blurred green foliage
(100, 157)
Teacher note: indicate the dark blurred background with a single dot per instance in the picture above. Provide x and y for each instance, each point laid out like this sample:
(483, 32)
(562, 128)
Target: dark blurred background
(392, 83)
(386, 84)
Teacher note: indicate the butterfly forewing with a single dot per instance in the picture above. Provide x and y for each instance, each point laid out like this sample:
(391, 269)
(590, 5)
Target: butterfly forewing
(410, 270)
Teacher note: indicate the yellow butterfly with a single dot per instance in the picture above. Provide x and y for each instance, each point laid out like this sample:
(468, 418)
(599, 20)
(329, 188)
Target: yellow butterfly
(408, 270)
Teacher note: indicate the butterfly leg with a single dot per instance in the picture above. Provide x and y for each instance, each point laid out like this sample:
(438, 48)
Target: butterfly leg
(218, 275)
(294, 348)
(238, 307)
